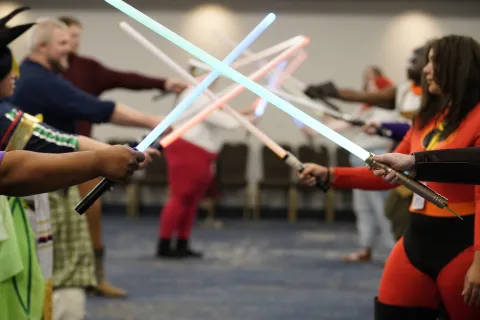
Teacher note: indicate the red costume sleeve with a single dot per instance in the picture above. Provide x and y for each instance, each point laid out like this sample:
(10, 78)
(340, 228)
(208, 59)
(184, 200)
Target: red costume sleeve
(476, 243)
(113, 79)
(383, 82)
(363, 178)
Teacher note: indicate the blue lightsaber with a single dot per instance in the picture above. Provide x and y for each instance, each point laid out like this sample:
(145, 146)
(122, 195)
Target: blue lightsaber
(272, 82)
(105, 184)
(236, 76)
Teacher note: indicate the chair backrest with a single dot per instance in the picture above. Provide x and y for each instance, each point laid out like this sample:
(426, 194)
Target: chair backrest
(157, 170)
(274, 168)
(307, 153)
(343, 158)
(232, 162)
(324, 156)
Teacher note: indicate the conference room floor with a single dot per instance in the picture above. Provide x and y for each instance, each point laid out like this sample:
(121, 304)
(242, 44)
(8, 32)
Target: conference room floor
(257, 270)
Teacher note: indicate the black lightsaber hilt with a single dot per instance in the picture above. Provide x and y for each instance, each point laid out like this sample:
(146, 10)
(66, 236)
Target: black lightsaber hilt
(330, 105)
(160, 96)
(296, 164)
(382, 132)
(412, 184)
(102, 187)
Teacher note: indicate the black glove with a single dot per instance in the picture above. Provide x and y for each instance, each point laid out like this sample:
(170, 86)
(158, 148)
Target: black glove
(324, 90)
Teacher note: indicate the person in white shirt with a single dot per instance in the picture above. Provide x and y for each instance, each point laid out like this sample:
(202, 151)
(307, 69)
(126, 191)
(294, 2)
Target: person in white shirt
(368, 205)
(191, 170)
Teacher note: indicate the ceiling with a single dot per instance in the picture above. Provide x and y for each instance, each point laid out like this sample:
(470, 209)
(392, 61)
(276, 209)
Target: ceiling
(438, 7)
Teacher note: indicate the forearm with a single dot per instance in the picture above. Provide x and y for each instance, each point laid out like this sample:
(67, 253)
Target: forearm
(358, 178)
(466, 155)
(88, 144)
(134, 81)
(24, 173)
(448, 166)
(385, 100)
(126, 116)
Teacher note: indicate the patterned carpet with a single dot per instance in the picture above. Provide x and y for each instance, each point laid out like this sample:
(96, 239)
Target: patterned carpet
(262, 270)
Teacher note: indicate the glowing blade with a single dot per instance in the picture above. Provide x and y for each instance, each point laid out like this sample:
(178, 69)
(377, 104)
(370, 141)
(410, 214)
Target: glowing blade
(171, 36)
(272, 84)
(241, 79)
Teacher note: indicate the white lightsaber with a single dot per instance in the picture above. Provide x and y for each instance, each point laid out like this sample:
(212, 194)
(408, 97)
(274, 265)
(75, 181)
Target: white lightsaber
(322, 109)
(310, 104)
(285, 106)
(289, 158)
(256, 57)
(275, 83)
(272, 84)
(291, 83)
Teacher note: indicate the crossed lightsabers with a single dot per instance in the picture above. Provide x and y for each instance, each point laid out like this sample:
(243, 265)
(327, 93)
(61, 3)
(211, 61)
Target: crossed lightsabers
(248, 83)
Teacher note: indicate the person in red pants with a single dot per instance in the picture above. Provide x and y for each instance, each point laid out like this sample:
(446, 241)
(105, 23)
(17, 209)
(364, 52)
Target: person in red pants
(437, 261)
(191, 171)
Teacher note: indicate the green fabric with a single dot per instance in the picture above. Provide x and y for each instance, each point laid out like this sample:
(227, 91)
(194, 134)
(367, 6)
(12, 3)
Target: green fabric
(73, 260)
(22, 287)
(47, 134)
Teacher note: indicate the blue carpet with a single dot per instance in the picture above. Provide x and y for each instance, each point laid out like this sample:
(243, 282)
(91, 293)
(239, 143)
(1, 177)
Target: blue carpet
(257, 270)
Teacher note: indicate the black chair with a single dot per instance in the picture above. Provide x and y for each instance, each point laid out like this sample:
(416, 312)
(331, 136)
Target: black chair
(277, 176)
(232, 170)
(343, 160)
(306, 153)
(155, 176)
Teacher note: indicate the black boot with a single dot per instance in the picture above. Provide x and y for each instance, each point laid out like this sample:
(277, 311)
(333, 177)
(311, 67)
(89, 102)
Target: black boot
(183, 249)
(390, 312)
(164, 250)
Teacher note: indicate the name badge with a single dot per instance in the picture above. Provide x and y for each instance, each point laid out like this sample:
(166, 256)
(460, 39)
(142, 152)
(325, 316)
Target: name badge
(418, 203)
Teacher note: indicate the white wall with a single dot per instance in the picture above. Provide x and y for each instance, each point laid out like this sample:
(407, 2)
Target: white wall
(341, 46)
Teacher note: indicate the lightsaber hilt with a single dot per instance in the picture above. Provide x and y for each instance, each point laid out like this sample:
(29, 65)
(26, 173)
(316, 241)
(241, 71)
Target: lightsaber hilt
(412, 184)
(104, 186)
(382, 132)
(329, 104)
(297, 165)
(160, 95)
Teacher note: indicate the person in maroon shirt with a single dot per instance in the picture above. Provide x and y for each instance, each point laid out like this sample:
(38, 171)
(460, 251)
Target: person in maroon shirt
(91, 76)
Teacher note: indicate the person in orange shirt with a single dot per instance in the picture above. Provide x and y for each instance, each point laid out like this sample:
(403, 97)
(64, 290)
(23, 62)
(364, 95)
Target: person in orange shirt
(437, 261)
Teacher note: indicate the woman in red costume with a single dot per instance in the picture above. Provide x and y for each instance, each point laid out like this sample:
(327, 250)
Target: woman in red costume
(437, 261)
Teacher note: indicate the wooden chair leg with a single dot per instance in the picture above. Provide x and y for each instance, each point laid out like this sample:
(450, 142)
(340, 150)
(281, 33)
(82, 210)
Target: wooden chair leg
(329, 206)
(292, 205)
(133, 201)
(211, 206)
(246, 204)
(258, 198)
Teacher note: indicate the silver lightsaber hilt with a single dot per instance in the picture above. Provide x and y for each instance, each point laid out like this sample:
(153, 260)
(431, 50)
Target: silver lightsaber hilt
(297, 165)
(412, 184)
